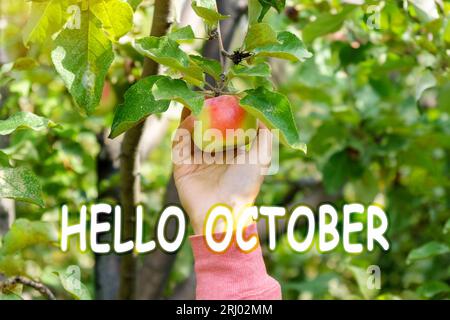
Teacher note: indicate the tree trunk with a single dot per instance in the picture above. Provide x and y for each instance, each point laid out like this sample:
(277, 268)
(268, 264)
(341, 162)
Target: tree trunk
(156, 267)
(107, 266)
(129, 161)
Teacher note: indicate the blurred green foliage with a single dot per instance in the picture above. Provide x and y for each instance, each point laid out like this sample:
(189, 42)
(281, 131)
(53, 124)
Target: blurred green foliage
(372, 105)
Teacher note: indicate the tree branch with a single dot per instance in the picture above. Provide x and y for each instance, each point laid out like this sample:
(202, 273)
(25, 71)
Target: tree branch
(156, 267)
(40, 287)
(129, 171)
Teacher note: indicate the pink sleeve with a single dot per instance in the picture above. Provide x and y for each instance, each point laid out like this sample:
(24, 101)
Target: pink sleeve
(232, 275)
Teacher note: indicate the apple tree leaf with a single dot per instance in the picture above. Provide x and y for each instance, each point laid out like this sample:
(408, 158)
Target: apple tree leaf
(275, 111)
(20, 184)
(82, 58)
(25, 233)
(166, 51)
(73, 285)
(257, 70)
(267, 4)
(209, 66)
(24, 120)
(138, 104)
(116, 16)
(177, 90)
(326, 23)
(207, 10)
(260, 35)
(428, 250)
(289, 47)
(46, 18)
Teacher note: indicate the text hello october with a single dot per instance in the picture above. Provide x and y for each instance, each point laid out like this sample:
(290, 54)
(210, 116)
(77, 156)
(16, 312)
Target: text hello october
(326, 227)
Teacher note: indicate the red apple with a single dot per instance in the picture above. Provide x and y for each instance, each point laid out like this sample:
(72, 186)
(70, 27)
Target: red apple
(232, 126)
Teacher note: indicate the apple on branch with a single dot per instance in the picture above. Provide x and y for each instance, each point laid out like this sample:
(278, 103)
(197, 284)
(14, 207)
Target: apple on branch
(223, 124)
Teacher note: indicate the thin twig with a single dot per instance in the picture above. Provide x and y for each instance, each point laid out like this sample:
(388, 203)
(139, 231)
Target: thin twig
(221, 48)
(209, 86)
(45, 291)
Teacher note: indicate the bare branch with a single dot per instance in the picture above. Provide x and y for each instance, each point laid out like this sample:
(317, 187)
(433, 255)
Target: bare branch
(38, 286)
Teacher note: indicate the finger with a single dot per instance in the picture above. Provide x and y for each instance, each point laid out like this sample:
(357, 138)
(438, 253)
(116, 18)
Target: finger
(264, 146)
(261, 149)
(260, 152)
(265, 137)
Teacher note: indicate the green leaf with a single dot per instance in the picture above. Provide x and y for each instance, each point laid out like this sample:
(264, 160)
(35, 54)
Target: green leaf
(20, 184)
(24, 120)
(82, 57)
(116, 16)
(425, 82)
(25, 63)
(46, 19)
(134, 3)
(365, 188)
(429, 250)
(74, 286)
(164, 51)
(4, 159)
(447, 32)
(10, 296)
(167, 52)
(447, 227)
(361, 277)
(339, 169)
(138, 104)
(267, 4)
(207, 10)
(326, 23)
(433, 288)
(277, 4)
(11, 265)
(254, 11)
(185, 33)
(209, 66)
(177, 90)
(25, 233)
(444, 97)
(317, 286)
(426, 9)
(289, 47)
(260, 35)
(258, 70)
(275, 111)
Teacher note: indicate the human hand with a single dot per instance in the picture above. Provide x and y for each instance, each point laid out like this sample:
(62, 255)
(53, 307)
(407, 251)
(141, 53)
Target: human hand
(201, 186)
